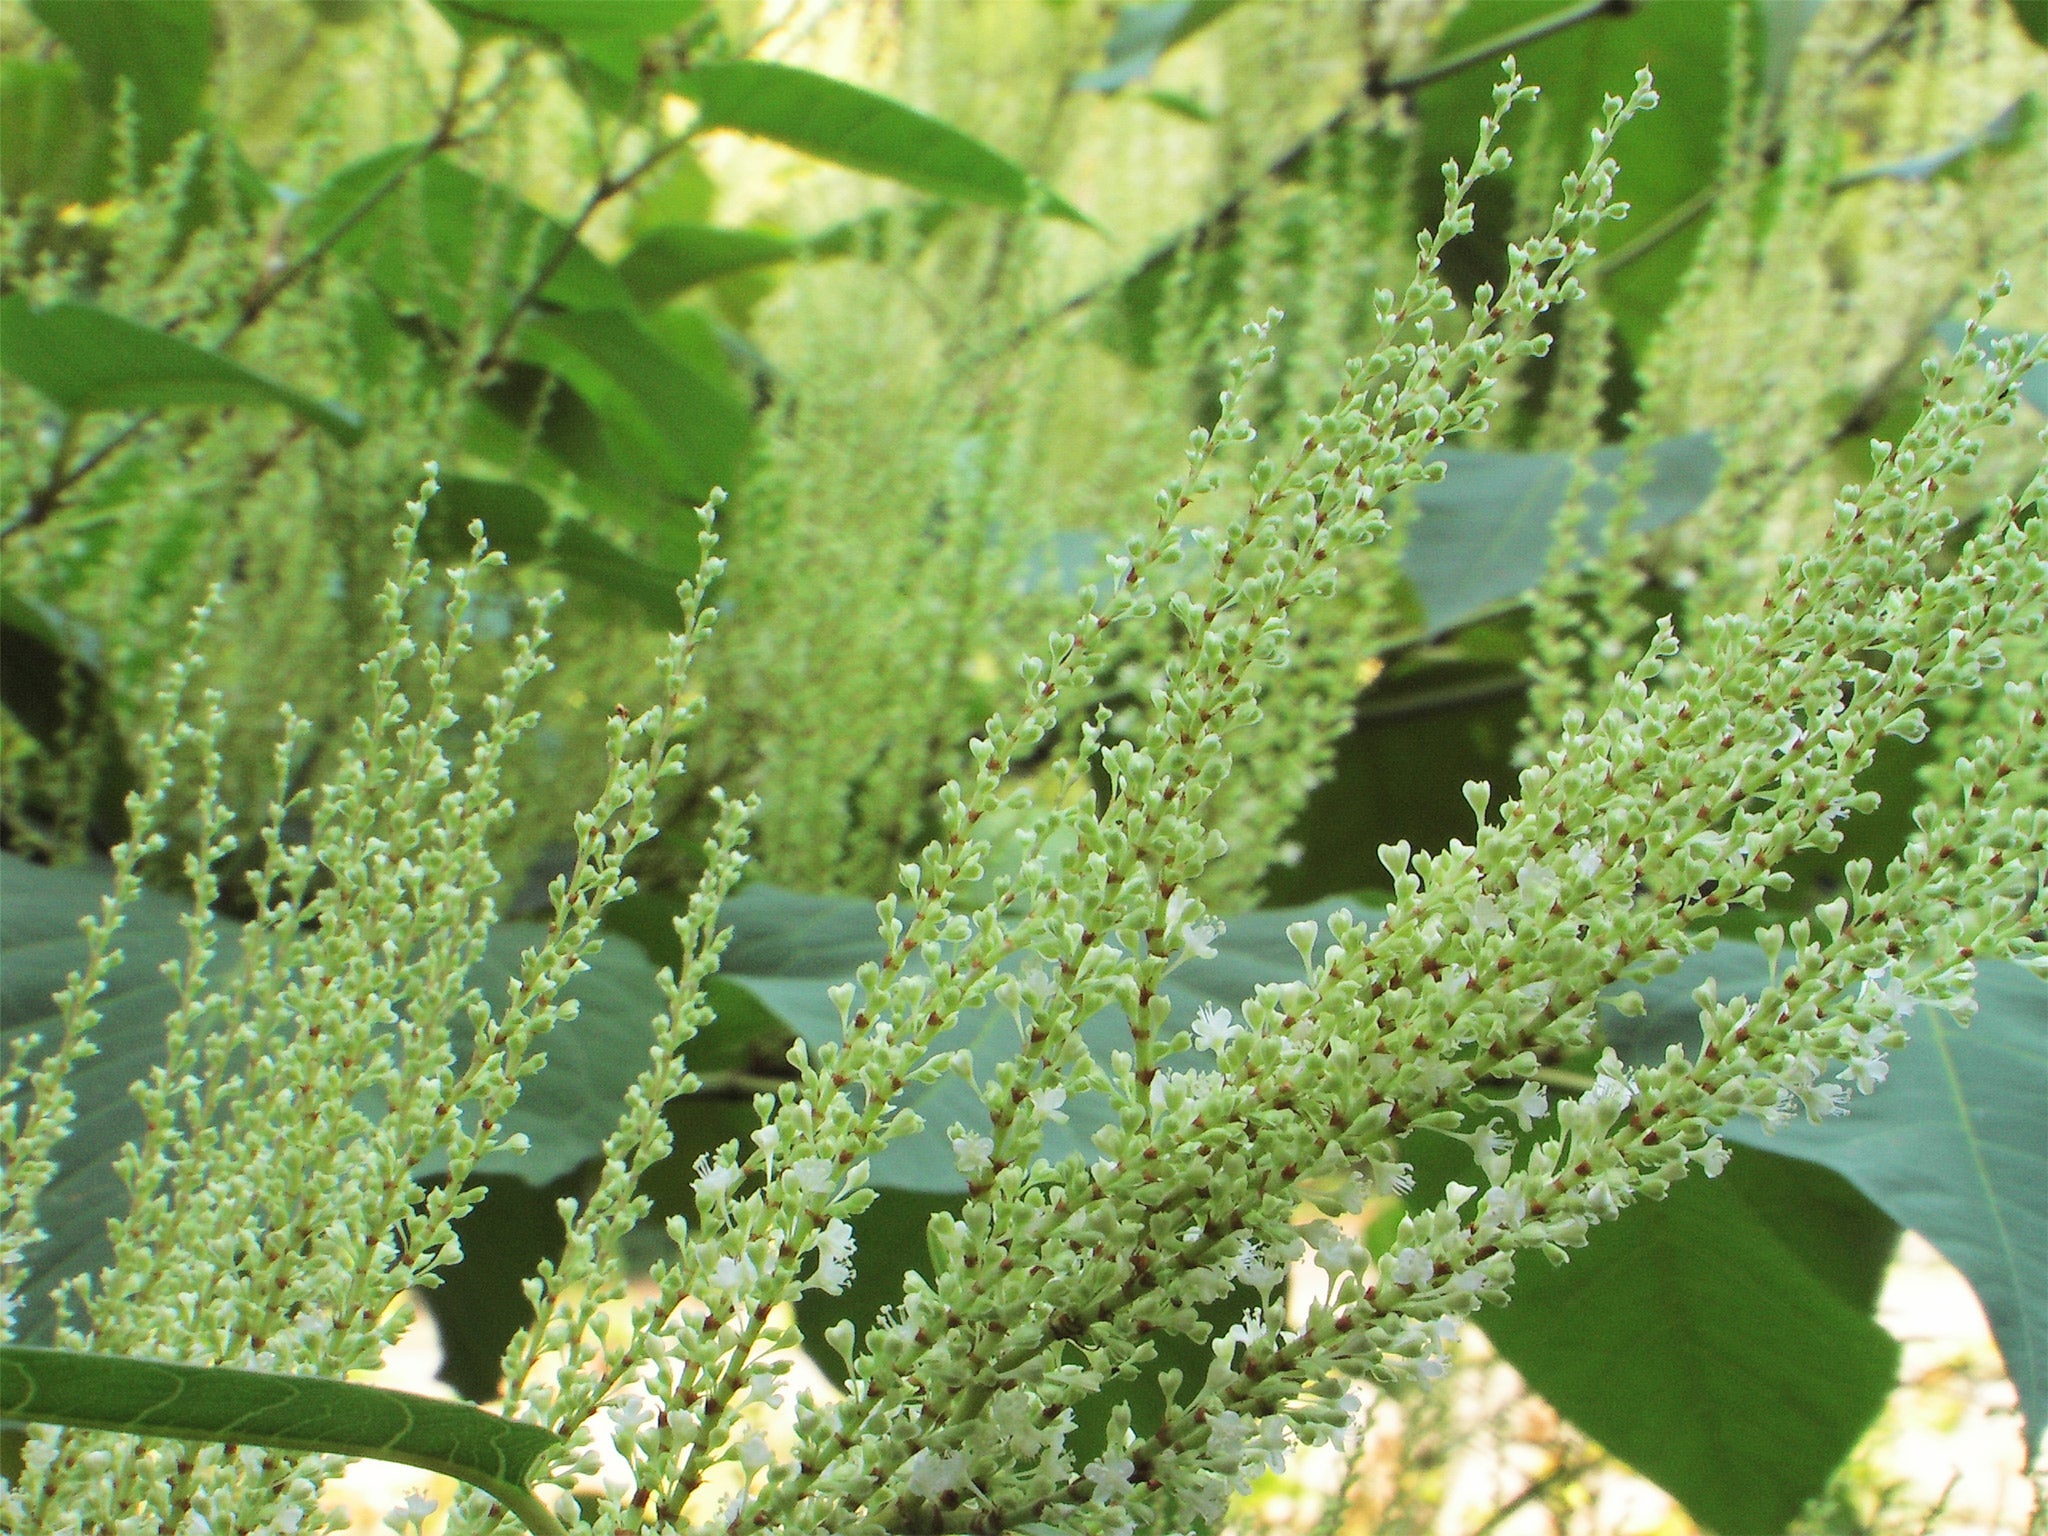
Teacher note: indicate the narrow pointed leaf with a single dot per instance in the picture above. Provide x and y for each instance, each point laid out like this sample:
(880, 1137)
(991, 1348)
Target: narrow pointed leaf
(86, 359)
(861, 130)
(292, 1413)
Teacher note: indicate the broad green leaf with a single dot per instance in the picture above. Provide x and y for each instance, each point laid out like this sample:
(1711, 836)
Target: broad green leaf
(518, 522)
(1480, 537)
(565, 1111)
(789, 949)
(604, 36)
(1726, 1326)
(1950, 1144)
(665, 261)
(849, 126)
(1432, 723)
(85, 359)
(1145, 29)
(430, 222)
(1478, 540)
(658, 415)
(1667, 156)
(164, 50)
(292, 1413)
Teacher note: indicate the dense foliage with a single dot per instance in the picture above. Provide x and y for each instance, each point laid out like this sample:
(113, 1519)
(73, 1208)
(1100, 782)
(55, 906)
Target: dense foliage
(365, 935)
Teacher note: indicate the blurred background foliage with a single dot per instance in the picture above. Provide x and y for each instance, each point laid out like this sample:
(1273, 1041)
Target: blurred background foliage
(934, 290)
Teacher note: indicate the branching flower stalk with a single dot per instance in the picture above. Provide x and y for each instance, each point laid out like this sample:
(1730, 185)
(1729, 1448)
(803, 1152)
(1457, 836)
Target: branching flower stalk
(1655, 799)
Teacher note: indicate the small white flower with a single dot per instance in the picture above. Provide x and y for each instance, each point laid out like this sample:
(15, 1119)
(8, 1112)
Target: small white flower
(972, 1152)
(714, 1181)
(1538, 885)
(835, 1257)
(1411, 1267)
(813, 1174)
(414, 1509)
(1111, 1475)
(1214, 1028)
(1712, 1156)
(1487, 916)
(1587, 860)
(1047, 1102)
(1530, 1104)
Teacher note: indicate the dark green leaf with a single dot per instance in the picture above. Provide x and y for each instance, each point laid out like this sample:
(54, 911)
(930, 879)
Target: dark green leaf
(1950, 1144)
(565, 1111)
(2032, 15)
(480, 1304)
(601, 39)
(1726, 1326)
(856, 128)
(163, 48)
(657, 413)
(1480, 537)
(293, 1413)
(518, 522)
(665, 261)
(421, 239)
(1145, 29)
(85, 359)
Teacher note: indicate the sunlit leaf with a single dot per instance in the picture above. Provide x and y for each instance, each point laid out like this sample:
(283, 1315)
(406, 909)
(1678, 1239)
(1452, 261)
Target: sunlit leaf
(857, 128)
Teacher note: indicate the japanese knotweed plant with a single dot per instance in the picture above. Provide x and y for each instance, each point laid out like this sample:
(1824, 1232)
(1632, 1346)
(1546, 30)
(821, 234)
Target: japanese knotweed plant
(1666, 795)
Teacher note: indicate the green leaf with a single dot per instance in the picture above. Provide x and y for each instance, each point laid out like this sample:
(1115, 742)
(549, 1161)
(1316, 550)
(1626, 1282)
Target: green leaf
(665, 261)
(1726, 1326)
(1479, 538)
(565, 1111)
(85, 359)
(292, 1413)
(601, 39)
(2032, 15)
(420, 244)
(56, 147)
(1145, 29)
(518, 522)
(1950, 1144)
(849, 126)
(788, 950)
(658, 415)
(163, 48)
